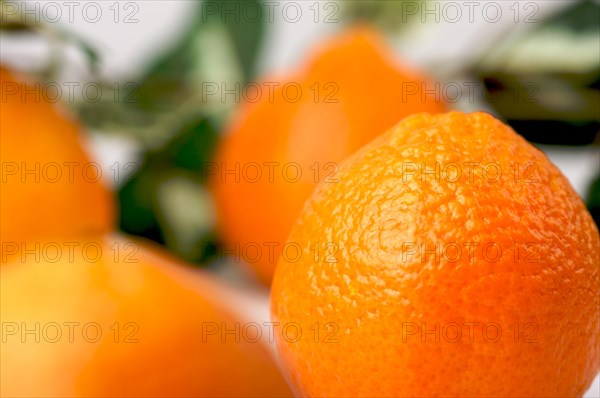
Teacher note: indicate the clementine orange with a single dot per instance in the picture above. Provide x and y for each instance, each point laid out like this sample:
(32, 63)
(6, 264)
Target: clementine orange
(49, 186)
(109, 317)
(451, 259)
(292, 131)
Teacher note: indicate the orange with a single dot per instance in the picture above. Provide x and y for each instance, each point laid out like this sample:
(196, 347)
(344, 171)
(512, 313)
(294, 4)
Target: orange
(50, 187)
(452, 259)
(117, 318)
(292, 131)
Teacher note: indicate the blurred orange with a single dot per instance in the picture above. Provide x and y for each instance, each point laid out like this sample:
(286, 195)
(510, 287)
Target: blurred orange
(279, 146)
(116, 318)
(50, 188)
(479, 279)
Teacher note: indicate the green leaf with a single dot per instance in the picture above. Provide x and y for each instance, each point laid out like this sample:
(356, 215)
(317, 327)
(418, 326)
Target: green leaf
(138, 207)
(559, 109)
(166, 201)
(390, 16)
(186, 215)
(583, 16)
(91, 55)
(244, 29)
(166, 79)
(178, 74)
(566, 42)
(15, 22)
(594, 194)
(17, 27)
(593, 202)
(193, 146)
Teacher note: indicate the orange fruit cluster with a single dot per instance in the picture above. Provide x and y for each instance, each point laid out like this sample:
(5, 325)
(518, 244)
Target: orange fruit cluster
(88, 314)
(446, 256)
(280, 145)
(452, 258)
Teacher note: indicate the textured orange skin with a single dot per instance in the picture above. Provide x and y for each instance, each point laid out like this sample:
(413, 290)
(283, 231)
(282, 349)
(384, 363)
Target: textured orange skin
(34, 130)
(168, 303)
(369, 101)
(371, 292)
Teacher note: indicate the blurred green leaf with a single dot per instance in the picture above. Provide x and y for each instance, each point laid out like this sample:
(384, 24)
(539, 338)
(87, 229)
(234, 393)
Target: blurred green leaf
(559, 109)
(167, 77)
(544, 95)
(391, 16)
(186, 215)
(165, 201)
(178, 73)
(90, 53)
(568, 41)
(16, 26)
(245, 31)
(593, 202)
(138, 207)
(13, 21)
(192, 147)
(583, 16)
